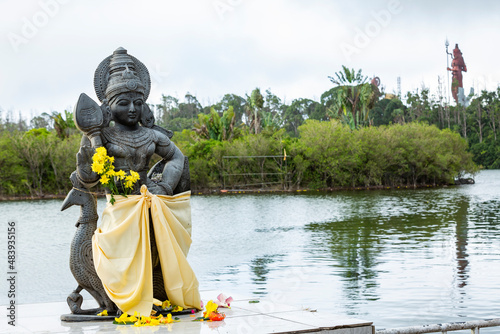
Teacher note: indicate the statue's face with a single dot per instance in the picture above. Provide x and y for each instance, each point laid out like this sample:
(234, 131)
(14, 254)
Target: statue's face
(126, 109)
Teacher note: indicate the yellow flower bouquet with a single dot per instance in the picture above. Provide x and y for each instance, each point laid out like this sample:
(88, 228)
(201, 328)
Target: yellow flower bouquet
(102, 164)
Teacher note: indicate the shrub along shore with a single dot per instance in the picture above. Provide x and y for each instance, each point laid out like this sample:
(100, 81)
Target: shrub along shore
(326, 155)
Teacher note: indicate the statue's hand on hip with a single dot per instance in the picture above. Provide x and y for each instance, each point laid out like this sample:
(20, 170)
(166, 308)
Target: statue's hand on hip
(159, 188)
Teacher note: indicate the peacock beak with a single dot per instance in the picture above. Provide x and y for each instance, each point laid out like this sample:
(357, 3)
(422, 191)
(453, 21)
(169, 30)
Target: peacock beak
(68, 201)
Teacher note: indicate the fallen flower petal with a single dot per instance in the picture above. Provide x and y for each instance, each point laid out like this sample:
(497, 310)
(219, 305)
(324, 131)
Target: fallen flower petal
(223, 301)
(166, 304)
(177, 308)
(210, 307)
(214, 316)
(122, 319)
(103, 313)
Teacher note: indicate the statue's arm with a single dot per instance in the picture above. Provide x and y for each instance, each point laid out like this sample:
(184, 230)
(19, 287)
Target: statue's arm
(174, 165)
(84, 164)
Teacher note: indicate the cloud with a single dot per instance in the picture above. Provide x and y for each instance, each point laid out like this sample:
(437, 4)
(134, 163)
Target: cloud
(211, 48)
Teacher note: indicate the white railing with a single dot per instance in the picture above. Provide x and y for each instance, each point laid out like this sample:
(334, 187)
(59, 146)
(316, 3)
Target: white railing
(474, 326)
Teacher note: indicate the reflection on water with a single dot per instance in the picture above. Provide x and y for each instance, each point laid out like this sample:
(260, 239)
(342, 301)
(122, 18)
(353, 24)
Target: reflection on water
(260, 270)
(351, 250)
(395, 257)
(461, 231)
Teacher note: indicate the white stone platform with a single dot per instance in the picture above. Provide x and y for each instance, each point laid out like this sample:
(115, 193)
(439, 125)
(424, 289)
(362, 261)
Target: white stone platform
(243, 317)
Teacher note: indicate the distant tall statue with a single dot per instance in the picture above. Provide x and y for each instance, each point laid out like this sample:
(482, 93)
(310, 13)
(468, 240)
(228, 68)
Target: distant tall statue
(457, 66)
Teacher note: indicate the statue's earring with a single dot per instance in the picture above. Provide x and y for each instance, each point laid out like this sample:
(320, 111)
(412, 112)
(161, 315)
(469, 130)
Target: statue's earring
(147, 116)
(106, 113)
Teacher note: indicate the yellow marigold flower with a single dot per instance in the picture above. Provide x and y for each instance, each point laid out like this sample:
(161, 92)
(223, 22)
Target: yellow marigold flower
(97, 167)
(103, 313)
(168, 319)
(135, 175)
(110, 173)
(177, 308)
(104, 179)
(133, 318)
(166, 304)
(122, 318)
(120, 174)
(102, 164)
(101, 151)
(209, 308)
(147, 321)
(128, 183)
(131, 179)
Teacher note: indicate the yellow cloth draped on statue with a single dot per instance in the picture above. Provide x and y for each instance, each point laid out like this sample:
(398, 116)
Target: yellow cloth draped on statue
(122, 252)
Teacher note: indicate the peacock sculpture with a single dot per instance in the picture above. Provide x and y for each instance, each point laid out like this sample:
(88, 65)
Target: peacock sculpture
(81, 260)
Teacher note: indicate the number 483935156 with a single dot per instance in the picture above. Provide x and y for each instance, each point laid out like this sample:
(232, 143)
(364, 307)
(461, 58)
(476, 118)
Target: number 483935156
(11, 245)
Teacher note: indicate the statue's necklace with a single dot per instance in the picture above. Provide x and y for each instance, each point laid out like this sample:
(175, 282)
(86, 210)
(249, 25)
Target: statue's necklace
(134, 139)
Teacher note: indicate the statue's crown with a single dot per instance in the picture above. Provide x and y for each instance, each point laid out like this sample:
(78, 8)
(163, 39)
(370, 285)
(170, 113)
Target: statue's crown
(122, 75)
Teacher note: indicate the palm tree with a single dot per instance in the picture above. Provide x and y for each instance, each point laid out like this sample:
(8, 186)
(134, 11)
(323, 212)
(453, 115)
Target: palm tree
(354, 97)
(213, 126)
(60, 124)
(254, 105)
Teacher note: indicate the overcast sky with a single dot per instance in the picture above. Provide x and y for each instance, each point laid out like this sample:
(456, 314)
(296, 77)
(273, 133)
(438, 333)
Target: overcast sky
(51, 48)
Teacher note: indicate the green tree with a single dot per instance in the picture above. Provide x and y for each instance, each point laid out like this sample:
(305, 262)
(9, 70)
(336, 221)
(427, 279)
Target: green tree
(272, 112)
(215, 127)
(64, 126)
(39, 122)
(387, 111)
(354, 98)
(34, 147)
(253, 107)
(297, 112)
(13, 178)
(190, 108)
(167, 110)
(177, 116)
(235, 101)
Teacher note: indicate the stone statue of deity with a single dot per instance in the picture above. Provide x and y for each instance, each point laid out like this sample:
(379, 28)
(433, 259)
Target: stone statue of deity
(138, 254)
(457, 67)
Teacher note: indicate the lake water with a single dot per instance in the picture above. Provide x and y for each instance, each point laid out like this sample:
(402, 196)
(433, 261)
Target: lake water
(395, 257)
